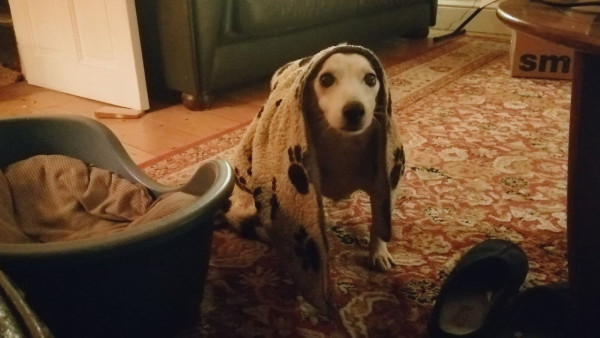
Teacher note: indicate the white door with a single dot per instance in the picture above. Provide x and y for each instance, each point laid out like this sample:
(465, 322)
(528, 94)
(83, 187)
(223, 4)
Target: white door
(88, 48)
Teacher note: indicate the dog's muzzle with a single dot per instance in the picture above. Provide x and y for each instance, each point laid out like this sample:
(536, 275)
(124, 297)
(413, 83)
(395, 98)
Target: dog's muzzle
(353, 114)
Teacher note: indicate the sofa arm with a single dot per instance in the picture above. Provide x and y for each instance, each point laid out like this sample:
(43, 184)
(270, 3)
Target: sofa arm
(433, 12)
(188, 32)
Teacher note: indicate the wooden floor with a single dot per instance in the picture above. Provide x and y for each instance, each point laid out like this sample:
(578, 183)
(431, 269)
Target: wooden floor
(169, 126)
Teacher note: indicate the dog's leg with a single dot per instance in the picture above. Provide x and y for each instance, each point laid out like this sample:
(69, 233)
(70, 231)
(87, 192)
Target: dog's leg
(242, 215)
(379, 256)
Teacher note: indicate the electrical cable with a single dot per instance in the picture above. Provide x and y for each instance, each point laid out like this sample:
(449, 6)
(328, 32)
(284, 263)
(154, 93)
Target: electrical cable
(463, 15)
(460, 29)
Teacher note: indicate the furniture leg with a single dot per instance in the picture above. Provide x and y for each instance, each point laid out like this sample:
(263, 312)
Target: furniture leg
(196, 101)
(583, 201)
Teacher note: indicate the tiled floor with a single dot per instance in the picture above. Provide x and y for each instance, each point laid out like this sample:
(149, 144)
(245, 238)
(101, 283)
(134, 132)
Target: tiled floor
(167, 127)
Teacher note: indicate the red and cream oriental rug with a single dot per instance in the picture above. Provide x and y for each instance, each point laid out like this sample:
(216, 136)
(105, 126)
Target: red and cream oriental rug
(486, 157)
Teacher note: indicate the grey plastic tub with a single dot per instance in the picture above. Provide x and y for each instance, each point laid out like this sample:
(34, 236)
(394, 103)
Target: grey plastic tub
(143, 282)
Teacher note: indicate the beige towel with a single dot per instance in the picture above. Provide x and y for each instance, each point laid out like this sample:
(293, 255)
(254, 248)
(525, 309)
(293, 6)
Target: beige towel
(277, 194)
(9, 230)
(49, 198)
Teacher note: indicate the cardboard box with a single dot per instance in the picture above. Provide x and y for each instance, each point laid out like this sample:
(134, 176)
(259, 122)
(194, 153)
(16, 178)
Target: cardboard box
(531, 56)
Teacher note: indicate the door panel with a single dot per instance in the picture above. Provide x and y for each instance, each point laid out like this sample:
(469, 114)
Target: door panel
(89, 48)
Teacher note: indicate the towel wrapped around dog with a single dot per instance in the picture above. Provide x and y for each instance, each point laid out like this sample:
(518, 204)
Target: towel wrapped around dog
(277, 195)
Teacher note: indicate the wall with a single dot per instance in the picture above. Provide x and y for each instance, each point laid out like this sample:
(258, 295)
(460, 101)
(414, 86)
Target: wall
(451, 13)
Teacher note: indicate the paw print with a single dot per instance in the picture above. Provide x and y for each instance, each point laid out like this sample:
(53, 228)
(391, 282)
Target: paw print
(307, 251)
(273, 201)
(296, 171)
(256, 194)
(241, 180)
(398, 168)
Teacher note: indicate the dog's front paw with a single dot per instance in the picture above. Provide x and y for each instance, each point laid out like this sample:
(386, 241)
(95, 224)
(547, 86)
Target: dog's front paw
(379, 256)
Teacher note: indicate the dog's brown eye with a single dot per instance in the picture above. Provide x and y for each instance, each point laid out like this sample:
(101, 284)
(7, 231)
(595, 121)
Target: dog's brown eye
(370, 79)
(326, 80)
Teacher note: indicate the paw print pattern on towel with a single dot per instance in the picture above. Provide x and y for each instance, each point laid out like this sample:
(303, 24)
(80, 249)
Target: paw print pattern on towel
(389, 103)
(307, 250)
(240, 180)
(259, 114)
(296, 171)
(398, 168)
(256, 193)
(273, 201)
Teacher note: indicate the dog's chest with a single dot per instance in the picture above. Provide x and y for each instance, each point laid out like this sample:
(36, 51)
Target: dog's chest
(346, 165)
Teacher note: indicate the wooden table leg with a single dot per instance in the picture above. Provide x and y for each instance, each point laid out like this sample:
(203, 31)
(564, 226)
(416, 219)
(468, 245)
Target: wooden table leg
(583, 205)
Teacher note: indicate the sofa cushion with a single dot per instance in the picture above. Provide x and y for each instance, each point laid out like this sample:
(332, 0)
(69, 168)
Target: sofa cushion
(263, 16)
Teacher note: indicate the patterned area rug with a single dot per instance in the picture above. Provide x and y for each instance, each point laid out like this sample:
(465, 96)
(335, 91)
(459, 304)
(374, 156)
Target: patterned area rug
(486, 157)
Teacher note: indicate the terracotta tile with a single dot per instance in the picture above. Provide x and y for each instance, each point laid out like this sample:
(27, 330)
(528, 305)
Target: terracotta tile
(137, 155)
(198, 123)
(238, 113)
(143, 134)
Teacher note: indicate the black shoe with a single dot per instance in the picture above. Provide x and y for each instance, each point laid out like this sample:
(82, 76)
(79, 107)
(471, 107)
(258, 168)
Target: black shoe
(476, 290)
(539, 312)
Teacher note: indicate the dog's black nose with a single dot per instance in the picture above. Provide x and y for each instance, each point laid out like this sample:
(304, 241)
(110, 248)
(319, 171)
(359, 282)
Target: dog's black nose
(353, 113)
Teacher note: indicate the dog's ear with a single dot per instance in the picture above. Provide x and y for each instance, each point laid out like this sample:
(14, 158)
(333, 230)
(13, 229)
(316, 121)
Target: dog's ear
(310, 105)
(383, 97)
(307, 95)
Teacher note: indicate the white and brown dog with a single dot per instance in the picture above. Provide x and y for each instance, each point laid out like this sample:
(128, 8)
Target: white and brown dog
(341, 104)
(326, 130)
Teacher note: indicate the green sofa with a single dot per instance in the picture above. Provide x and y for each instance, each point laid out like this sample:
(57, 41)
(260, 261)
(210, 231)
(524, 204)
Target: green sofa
(202, 47)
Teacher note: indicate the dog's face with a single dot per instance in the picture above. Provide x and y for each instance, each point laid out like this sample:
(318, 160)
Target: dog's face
(346, 90)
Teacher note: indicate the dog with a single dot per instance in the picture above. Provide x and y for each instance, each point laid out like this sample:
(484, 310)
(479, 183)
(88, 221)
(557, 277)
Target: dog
(341, 103)
(325, 130)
